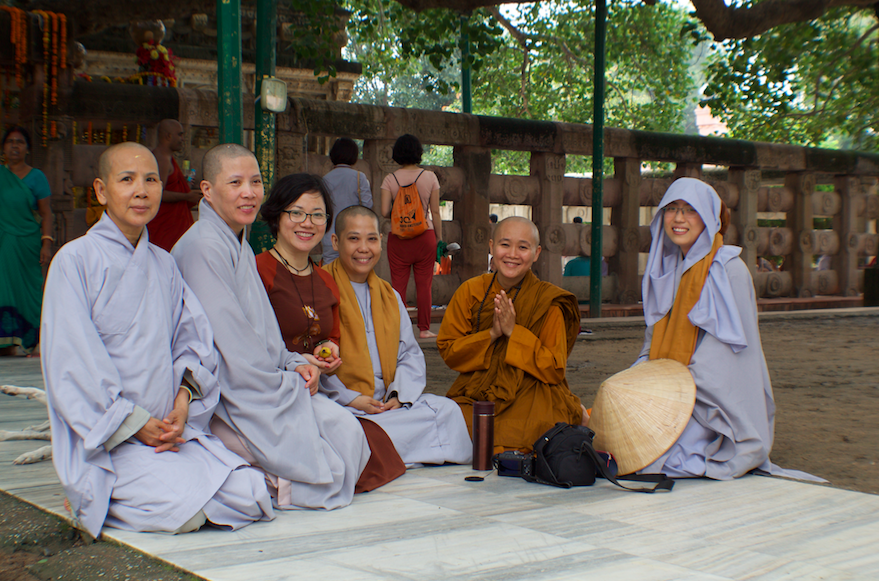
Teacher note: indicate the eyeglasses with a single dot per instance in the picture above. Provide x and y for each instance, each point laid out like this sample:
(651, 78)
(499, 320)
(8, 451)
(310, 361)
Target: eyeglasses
(685, 211)
(298, 216)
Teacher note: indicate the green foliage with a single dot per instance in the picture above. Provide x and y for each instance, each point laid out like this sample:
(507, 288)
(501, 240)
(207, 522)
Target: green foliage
(810, 83)
(316, 26)
(413, 59)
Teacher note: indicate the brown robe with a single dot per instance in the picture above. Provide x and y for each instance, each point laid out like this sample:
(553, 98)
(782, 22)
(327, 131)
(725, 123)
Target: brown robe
(523, 374)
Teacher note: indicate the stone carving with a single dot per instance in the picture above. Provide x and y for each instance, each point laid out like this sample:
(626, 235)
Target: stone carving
(555, 239)
(515, 190)
(586, 192)
(631, 240)
(481, 235)
(555, 168)
(752, 179)
(807, 185)
(872, 207)
(806, 242)
(750, 237)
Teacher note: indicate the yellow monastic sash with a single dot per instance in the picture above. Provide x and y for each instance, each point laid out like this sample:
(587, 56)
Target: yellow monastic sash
(356, 371)
(674, 336)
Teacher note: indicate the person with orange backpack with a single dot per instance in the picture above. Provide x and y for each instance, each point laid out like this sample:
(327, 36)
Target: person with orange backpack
(410, 198)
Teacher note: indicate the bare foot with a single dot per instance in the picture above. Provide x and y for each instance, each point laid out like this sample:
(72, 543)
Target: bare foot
(585, 421)
(427, 335)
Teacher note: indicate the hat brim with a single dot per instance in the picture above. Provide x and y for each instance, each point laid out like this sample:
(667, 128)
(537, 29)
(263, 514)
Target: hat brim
(640, 412)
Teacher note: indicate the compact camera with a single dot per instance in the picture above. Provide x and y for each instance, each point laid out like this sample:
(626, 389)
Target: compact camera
(514, 464)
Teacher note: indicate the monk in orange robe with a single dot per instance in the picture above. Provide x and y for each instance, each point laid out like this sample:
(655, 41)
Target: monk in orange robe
(509, 334)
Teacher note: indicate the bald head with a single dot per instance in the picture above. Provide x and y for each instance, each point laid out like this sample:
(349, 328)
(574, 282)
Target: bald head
(112, 153)
(216, 156)
(167, 127)
(352, 212)
(499, 230)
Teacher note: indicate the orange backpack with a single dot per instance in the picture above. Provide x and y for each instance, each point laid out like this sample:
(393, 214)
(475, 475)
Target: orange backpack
(407, 214)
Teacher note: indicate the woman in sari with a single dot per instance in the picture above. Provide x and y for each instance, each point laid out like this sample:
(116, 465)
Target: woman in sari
(25, 245)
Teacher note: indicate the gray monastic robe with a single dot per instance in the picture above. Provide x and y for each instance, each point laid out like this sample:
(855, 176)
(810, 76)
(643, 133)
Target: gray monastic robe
(310, 443)
(428, 429)
(119, 330)
(732, 426)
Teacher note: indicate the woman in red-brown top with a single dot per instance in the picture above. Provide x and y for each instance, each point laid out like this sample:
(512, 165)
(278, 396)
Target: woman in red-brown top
(305, 298)
(306, 301)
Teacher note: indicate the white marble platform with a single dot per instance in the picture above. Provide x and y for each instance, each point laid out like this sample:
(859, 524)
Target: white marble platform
(432, 525)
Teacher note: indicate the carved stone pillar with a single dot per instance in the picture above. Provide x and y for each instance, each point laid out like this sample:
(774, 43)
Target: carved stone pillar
(472, 211)
(688, 170)
(549, 168)
(377, 154)
(799, 219)
(845, 223)
(290, 154)
(744, 216)
(627, 171)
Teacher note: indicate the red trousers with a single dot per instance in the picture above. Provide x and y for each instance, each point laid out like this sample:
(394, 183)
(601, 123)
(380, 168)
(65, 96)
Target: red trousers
(418, 254)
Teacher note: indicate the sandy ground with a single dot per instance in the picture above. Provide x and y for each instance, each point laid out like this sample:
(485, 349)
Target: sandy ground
(825, 375)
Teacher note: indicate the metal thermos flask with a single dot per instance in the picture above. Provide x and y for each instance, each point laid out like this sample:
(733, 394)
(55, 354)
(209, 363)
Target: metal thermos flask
(483, 434)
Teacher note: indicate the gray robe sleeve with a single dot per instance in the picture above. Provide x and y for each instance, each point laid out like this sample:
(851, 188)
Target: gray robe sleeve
(410, 378)
(82, 383)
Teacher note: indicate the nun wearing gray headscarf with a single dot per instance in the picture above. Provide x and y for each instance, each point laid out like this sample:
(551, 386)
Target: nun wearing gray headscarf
(700, 309)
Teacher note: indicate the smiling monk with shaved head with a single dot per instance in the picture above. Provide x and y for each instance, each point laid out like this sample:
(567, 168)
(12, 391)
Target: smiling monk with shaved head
(509, 335)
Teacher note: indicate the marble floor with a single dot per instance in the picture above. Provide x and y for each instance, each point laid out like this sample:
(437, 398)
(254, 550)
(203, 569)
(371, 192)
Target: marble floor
(432, 524)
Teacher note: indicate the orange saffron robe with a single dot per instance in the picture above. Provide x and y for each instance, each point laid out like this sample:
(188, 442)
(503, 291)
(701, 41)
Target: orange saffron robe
(523, 374)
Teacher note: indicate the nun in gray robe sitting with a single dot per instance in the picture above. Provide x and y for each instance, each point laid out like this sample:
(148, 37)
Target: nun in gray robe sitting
(700, 309)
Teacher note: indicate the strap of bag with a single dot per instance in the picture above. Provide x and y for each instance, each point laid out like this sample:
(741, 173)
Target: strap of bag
(359, 198)
(541, 458)
(662, 481)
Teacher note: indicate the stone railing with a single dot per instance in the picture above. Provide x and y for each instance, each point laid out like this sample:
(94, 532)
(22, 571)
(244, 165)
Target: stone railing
(755, 178)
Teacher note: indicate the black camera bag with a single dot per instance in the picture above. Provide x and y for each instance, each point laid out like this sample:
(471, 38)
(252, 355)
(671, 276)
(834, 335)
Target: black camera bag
(564, 457)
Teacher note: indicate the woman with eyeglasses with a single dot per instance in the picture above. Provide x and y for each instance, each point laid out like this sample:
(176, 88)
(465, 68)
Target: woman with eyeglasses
(701, 309)
(305, 298)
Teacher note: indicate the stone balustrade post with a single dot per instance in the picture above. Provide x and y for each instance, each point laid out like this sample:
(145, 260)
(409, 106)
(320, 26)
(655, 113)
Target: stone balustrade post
(845, 223)
(744, 215)
(472, 211)
(377, 154)
(799, 220)
(549, 168)
(626, 218)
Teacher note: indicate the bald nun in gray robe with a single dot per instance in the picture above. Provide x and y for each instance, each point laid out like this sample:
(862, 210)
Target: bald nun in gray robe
(312, 450)
(120, 332)
(426, 429)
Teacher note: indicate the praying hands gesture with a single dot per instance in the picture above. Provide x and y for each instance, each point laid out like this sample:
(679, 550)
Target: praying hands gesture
(311, 375)
(164, 435)
(504, 316)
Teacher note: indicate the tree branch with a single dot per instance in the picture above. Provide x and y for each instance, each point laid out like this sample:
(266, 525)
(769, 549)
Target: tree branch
(726, 22)
(723, 21)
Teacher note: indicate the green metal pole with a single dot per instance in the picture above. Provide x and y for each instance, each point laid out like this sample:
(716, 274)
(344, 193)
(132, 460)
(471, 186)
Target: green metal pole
(229, 69)
(466, 103)
(266, 27)
(597, 161)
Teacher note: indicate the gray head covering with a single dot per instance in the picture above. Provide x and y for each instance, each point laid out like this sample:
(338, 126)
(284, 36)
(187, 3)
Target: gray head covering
(716, 310)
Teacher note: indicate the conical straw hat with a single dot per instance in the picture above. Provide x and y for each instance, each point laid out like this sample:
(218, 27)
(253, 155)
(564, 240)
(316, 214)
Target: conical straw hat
(640, 412)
